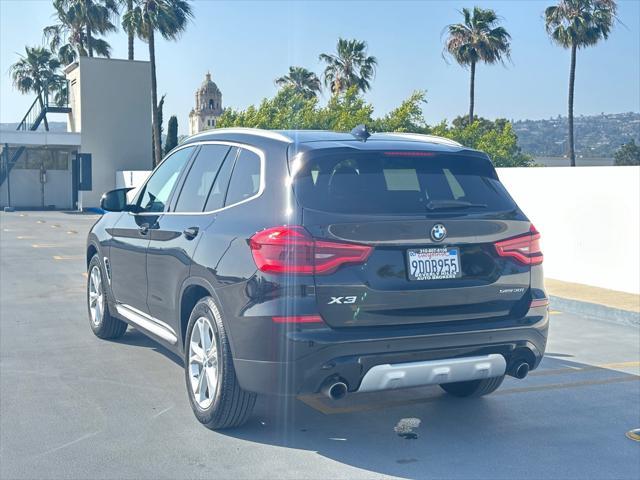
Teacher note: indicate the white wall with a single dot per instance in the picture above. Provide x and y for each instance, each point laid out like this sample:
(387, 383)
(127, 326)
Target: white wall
(589, 218)
(133, 179)
(115, 118)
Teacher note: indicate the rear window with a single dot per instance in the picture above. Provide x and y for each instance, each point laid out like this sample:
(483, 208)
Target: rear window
(399, 183)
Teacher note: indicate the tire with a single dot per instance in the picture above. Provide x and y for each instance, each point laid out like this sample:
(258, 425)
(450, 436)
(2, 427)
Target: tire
(102, 323)
(225, 404)
(473, 388)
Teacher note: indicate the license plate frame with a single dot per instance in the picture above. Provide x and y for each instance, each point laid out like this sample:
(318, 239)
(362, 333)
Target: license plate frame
(426, 270)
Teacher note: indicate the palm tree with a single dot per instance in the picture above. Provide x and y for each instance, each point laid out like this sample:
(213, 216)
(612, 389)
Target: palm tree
(349, 67)
(130, 33)
(302, 81)
(78, 23)
(578, 24)
(477, 39)
(167, 17)
(35, 71)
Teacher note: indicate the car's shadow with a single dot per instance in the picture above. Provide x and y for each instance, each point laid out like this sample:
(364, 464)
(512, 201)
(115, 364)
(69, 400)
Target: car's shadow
(456, 437)
(135, 338)
(423, 432)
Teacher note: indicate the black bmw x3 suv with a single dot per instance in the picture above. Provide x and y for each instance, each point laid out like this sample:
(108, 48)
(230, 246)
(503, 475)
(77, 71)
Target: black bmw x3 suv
(300, 262)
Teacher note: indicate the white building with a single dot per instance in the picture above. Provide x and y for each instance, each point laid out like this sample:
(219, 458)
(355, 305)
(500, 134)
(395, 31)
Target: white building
(108, 117)
(208, 107)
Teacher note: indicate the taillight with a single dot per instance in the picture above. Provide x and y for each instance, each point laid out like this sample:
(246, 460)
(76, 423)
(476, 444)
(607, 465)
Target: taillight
(539, 302)
(291, 249)
(524, 248)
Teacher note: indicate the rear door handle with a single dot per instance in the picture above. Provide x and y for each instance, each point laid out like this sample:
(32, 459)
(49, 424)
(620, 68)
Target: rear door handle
(143, 229)
(191, 232)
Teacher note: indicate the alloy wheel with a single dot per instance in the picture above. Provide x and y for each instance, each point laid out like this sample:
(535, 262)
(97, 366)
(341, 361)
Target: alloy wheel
(96, 296)
(203, 362)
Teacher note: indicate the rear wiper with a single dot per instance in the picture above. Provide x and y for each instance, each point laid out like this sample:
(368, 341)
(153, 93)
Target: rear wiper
(451, 204)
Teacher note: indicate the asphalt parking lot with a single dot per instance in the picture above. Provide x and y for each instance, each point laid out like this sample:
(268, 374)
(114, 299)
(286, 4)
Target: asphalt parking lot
(74, 406)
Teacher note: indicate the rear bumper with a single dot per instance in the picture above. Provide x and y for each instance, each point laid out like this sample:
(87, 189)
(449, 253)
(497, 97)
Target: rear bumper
(301, 360)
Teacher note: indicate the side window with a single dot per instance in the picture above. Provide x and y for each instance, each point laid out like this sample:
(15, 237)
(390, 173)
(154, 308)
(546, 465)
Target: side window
(204, 169)
(219, 189)
(245, 180)
(156, 192)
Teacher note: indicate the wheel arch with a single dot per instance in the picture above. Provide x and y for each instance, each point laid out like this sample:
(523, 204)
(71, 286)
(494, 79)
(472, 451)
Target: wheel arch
(92, 249)
(192, 291)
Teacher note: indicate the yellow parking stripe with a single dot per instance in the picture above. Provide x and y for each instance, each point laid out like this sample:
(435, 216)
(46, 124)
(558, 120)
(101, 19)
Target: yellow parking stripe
(604, 366)
(319, 403)
(70, 257)
(322, 405)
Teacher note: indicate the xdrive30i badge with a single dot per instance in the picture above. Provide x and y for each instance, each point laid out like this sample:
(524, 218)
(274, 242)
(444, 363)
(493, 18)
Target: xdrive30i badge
(438, 232)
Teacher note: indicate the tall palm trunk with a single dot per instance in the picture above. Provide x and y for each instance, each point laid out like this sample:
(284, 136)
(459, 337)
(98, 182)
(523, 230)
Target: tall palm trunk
(157, 147)
(472, 87)
(572, 80)
(89, 41)
(130, 32)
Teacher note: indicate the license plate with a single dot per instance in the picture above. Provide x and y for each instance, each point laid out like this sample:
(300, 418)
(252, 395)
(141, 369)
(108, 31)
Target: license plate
(433, 263)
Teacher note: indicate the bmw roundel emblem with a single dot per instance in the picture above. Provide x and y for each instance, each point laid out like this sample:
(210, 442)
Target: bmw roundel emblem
(438, 232)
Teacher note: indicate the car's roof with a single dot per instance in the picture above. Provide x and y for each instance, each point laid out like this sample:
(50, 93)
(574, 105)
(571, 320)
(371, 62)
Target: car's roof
(315, 139)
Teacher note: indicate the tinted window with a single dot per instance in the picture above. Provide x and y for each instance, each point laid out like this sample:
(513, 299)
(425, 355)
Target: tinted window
(245, 180)
(157, 190)
(219, 190)
(399, 183)
(204, 169)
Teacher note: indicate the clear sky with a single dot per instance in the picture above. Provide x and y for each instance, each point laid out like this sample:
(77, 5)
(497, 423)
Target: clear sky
(246, 45)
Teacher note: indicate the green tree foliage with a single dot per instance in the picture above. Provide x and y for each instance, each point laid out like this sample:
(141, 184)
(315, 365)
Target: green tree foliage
(349, 67)
(79, 21)
(628, 154)
(302, 80)
(407, 117)
(292, 110)
(478, 39)
(496, 138)
(37, 71)
(172, 135)
(575, 24)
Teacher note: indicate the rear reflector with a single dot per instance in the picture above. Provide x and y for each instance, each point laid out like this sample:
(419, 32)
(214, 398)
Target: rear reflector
(298, 319)
(539, 302)
(524, 248)
(292, 250)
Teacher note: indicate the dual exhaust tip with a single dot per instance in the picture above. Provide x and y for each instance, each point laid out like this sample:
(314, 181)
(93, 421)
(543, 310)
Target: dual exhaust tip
(337, 389)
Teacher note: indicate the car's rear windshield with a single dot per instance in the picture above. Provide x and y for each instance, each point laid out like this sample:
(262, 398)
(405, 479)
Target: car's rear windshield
(399, 183)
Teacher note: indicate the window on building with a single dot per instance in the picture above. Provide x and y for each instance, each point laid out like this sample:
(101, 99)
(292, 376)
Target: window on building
(200, 178)
(157, 190)
(245, 180)
(211, 104)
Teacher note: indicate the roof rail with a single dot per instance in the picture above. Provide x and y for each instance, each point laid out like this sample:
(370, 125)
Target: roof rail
(426, 138)
(250, 131)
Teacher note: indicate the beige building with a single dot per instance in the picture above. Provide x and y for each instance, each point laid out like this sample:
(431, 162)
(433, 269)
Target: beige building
(108, 118)
(208, 107)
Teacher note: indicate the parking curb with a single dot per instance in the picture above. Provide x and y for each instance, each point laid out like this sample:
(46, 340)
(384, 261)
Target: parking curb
(595, 311)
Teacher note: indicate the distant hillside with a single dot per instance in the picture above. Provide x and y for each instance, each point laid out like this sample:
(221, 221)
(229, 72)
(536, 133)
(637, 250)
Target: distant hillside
(596, 136)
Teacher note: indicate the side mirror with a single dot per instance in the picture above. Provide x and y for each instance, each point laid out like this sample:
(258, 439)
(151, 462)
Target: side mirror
(115, 200)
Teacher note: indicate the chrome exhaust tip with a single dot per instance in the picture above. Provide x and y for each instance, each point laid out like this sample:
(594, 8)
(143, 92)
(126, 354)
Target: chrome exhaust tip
(335, 390)
(521, 370)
